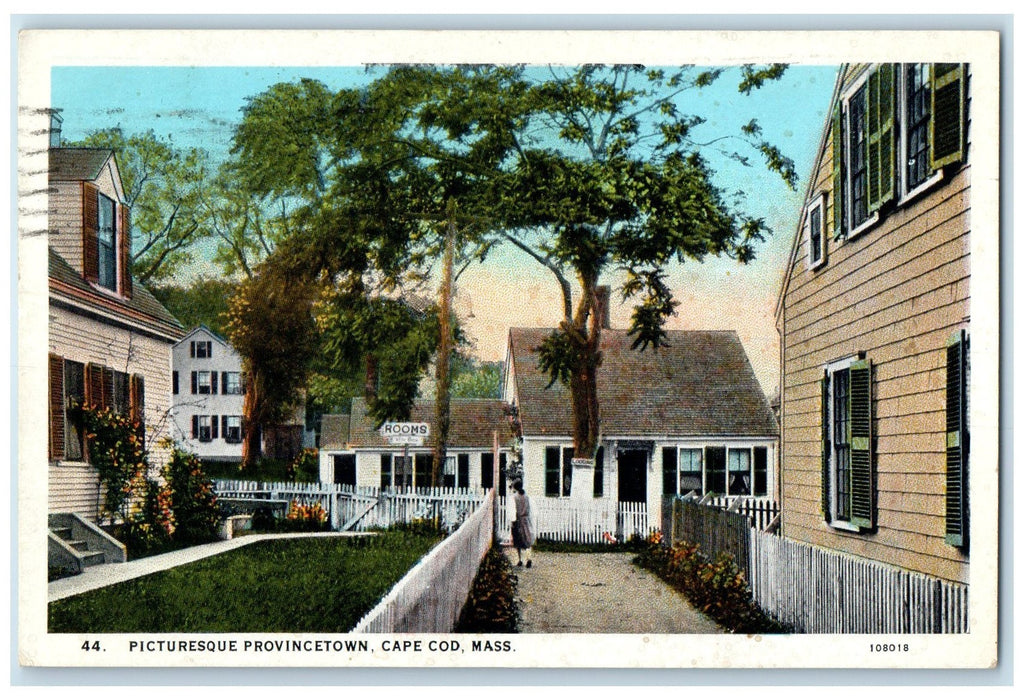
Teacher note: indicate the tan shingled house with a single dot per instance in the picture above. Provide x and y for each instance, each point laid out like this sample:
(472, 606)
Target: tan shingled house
(874, 319)
(109, 338)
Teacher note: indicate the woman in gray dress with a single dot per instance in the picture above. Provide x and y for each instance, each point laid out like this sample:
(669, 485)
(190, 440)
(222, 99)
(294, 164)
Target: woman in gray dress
(523, 535)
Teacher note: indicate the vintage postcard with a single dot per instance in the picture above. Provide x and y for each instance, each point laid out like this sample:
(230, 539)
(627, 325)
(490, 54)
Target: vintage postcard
(508, 349)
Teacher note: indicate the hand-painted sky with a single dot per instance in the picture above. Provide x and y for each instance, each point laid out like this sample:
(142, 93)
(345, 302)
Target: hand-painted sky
(200, 106)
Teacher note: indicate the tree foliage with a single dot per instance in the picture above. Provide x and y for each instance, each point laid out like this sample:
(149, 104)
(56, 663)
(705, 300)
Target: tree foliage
(201, 302)
(165, 187)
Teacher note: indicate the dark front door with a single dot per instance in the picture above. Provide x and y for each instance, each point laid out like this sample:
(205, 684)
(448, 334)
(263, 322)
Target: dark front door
(345, 469)
(632, 476)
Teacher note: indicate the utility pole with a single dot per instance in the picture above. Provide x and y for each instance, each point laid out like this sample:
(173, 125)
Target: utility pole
(442, 403)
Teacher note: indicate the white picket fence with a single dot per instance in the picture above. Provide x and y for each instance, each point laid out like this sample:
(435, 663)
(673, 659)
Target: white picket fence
(362, 508)
(822, 592)
(590, 522)
(430, 597)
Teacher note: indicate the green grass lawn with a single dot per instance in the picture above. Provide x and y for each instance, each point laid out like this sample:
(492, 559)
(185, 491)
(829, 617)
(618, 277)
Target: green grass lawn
(301, 585)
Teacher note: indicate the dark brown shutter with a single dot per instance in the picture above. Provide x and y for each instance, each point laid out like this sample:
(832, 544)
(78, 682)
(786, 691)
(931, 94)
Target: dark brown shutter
(551, 468)
(195, 383)
(192, 349)
(949, 102)
(90, 232)
(94, 386)
(174, 382)
(224, 426)
(125, 252)
(56, 442)
(837, 172)
(195, 427)
(862, 482)
(881, 104)
(669, 471)
(214, 425)
(137, 385)
(956, 440)
(108, 388)
(213, 382)
(826, 452)
(599, 473)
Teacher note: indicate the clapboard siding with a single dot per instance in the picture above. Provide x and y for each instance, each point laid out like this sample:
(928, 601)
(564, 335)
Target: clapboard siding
(895, 292)
(73, 487)
(65, 221)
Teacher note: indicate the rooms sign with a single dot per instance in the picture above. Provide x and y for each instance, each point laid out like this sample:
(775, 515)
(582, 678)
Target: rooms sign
(405, 433)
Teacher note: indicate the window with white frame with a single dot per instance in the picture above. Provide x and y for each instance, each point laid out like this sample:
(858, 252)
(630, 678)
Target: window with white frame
(893, 131)
(725, 471)
(456, 471)
(847, 469)
(232, 382)
(557, 471)
(814, 228)
(107, 239)
(203, 427)
(203, 382)
(232, 428)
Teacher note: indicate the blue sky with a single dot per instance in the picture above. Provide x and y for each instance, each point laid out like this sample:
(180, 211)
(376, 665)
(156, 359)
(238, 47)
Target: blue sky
(200, 106)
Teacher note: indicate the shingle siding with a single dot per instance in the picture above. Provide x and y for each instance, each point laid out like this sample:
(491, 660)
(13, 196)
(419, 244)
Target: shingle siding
(894, 292)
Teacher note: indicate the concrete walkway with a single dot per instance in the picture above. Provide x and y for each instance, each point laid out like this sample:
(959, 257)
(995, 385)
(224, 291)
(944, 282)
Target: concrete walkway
(603, 592)
(106, 574)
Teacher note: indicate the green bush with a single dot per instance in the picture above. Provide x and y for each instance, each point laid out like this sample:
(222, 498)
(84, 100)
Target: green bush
(193, 502)
(491, 606)
(305, 466)
(716, 587)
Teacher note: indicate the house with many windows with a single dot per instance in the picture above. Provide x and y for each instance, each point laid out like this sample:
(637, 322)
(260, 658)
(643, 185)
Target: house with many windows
(109, 339)
(208, 393)
(874, 323)
(354, 453)
(688, 416)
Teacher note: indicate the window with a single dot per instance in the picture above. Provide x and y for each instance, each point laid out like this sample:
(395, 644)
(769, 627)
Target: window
(730, 471)
(205, 428)
(204, 382)
(487, 471)
(107, 237)
(231, 429)
(599, 473)
(72, 386)
(202, 348)
(558, 471)
(847, 470)
(892, 133)
(456, 471)
(345, 469)
(958, 438)
(406, 471)
(740, 474)
(814, 228)
(231, 382)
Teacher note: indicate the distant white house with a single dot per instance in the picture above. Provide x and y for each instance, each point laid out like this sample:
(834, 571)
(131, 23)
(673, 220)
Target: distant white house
(352, 451)
(207, 395)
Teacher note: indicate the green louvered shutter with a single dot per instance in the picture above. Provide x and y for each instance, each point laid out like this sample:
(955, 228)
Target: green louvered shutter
(837, 172)
(881, 116)
(956, 440)
(826, 453)
(669, 470)
(862, 487)
(948, 108)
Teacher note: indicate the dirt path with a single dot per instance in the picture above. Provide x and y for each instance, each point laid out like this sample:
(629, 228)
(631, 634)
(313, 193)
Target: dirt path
(580, 593)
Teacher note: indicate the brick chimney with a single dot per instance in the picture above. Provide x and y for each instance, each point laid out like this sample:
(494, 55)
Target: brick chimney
(604, 299)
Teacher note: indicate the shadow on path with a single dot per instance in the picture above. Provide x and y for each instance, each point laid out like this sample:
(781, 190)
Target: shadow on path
(567, 593)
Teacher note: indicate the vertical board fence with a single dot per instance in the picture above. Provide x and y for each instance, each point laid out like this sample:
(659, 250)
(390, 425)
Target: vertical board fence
(430, 597)
(822, 592)
(817, 591)
(592, 522)
(759, 511)
(361, 508)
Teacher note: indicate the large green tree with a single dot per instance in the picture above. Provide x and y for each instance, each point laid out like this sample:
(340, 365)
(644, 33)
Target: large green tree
(610, 172)
(165, 186)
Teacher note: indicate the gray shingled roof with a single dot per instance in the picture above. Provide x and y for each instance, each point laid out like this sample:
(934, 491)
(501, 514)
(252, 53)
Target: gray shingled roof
(334, 430)
(473, 422)
(141, 301)
(77, 163)
(699, 384)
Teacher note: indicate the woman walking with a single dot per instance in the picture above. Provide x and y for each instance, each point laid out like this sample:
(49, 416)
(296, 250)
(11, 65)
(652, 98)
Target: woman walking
(522, 527)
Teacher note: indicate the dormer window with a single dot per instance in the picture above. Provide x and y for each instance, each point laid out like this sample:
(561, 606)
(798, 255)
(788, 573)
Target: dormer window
(107, 235)
(106, 246)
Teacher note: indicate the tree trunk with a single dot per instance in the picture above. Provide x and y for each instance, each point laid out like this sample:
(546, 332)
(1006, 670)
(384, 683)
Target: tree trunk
(442, 403)
(585, 335)
(250, 422)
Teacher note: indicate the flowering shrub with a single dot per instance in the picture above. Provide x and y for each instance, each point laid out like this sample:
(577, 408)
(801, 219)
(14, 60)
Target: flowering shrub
(116, 451)
(716, 586)
(305, 466)
(196, 515)
(305, 517)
